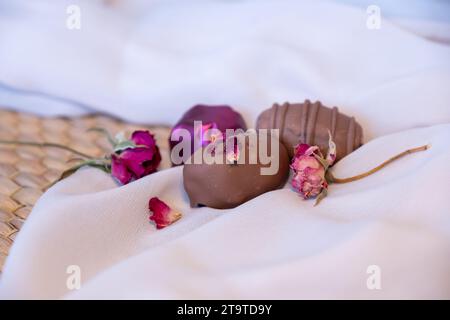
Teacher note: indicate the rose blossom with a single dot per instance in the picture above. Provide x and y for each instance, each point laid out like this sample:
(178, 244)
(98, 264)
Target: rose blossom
(163, 215)
(136, 162)
(310, 182)
(309, 173)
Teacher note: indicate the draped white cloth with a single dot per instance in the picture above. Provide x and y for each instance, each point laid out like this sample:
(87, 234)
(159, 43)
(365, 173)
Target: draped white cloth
(150, 66)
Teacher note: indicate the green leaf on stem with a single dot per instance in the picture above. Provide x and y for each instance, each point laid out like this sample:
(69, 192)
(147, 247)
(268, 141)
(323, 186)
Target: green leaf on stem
(102, 164)
(127, 144)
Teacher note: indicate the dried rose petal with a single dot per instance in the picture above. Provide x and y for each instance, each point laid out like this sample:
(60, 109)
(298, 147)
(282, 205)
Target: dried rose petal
(163, 215)
(143, 138)
(303, 162)
(119, 170)
(300, 149)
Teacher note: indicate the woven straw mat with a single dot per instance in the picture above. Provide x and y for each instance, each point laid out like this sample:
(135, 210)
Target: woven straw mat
(26, 172)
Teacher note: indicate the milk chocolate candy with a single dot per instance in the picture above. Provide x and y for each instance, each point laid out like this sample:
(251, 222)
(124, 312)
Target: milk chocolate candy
(227, 185)
(309, 123)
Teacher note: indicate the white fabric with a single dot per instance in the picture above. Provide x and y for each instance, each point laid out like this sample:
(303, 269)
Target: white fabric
(275, 246)
(248, 54)
(427, 18)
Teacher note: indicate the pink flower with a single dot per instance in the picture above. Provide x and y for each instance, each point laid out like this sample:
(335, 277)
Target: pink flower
(163, 215)
(309, 173)
(136, 162)
(309, 183)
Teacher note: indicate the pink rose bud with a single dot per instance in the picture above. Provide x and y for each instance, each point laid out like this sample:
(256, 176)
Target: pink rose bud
(311, 169)
(309, 173)
(212, 117)
(163, 215)
(309, 183)
(136, 162)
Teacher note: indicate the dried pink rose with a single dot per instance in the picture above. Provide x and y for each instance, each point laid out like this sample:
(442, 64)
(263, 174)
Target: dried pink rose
(309, 173)
(163, 215)
(312, 174)
(138, 160)
(309, 183)
(310, 168)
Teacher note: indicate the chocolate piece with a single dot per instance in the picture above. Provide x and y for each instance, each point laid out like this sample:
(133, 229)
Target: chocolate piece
(309, 123)
(228, 185)
(218, 117)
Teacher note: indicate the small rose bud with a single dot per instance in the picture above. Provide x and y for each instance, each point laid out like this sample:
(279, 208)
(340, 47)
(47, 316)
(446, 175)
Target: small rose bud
(309, 183)
(309, 173)
(136, 162)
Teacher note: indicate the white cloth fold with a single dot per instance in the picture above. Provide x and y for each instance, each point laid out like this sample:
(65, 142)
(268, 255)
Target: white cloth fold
(248, 54)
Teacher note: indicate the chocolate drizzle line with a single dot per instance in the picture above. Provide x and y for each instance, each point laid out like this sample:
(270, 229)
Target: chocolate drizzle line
(350, 135)
(312, 122)
(334, 113)
(274, 115)
(309, 122)
(284, 107)
(303, 119)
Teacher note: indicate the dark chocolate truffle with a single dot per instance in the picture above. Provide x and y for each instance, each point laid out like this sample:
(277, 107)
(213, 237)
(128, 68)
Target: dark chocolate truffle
(309, 123)
(218, 117)
(228, 185)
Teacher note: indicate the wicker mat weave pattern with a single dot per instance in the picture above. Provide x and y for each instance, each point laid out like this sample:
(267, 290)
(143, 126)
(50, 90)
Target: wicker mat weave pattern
(26, 171)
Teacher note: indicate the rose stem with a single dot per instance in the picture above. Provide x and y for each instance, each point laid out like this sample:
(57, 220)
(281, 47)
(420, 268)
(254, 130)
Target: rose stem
(91, 162)
(45, 144)
(377, 168)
